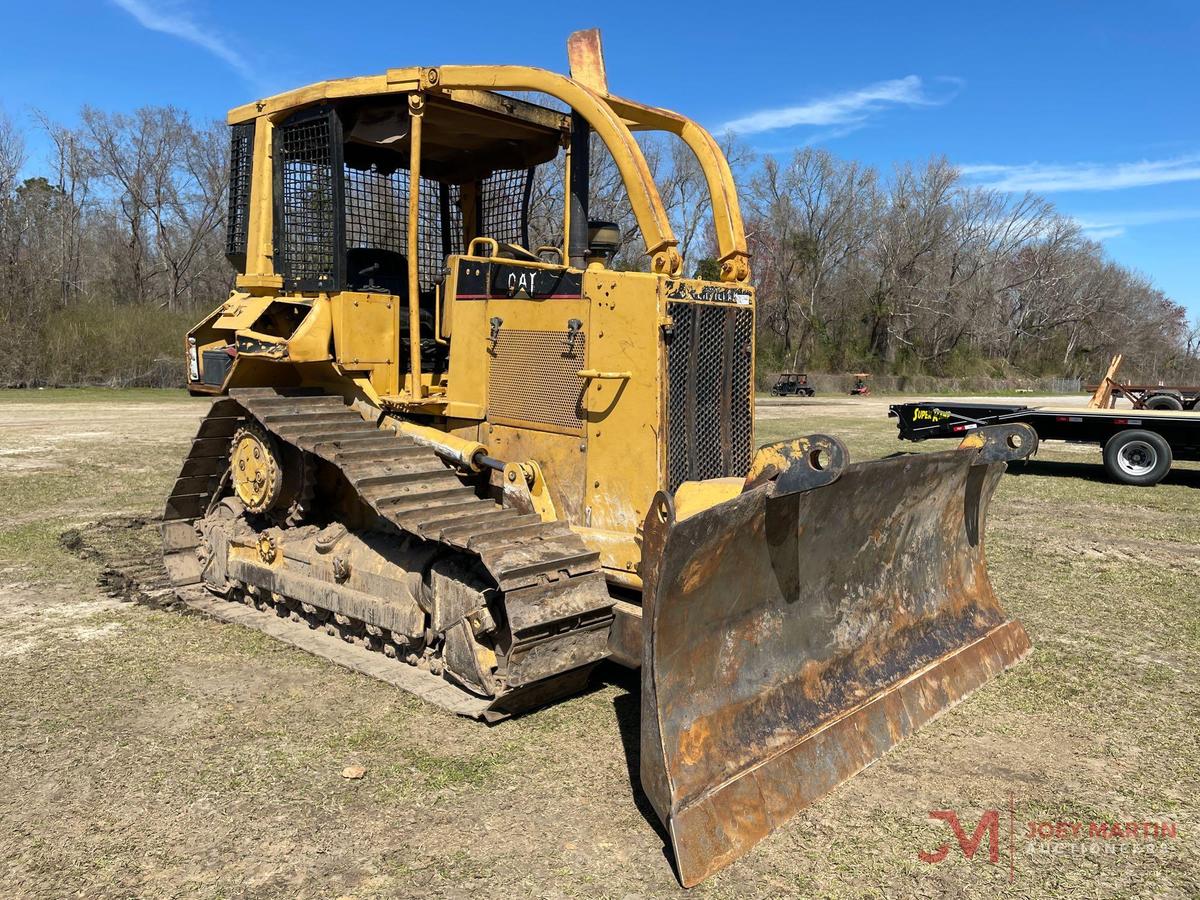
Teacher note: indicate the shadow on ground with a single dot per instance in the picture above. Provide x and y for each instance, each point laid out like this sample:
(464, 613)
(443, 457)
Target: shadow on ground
(1093, 472)
(628, 709)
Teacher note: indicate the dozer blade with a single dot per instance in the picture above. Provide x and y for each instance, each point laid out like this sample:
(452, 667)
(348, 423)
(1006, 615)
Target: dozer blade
(797, 632)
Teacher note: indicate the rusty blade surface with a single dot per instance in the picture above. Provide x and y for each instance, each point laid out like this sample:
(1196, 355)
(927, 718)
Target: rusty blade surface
(791, 640)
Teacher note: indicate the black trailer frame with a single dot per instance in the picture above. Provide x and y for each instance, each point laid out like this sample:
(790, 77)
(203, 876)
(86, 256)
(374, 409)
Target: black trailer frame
(1139, 445)
(1155, 396)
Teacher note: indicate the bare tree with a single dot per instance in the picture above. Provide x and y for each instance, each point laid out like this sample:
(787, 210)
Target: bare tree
(109, 247)
(72, 176)
(167, 181)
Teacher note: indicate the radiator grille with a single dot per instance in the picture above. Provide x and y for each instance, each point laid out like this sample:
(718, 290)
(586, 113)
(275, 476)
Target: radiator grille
(241, 165)
(741, 431)
(708, 392)
(534, 379)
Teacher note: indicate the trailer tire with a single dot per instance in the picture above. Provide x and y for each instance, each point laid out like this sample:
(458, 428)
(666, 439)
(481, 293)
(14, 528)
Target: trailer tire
(1137, 457)
(1163, 401)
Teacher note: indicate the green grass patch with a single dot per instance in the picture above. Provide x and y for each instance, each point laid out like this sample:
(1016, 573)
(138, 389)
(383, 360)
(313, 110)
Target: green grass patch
(34, 549)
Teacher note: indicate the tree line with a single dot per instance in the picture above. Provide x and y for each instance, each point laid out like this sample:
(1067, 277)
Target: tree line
(916, 272)
(115, 247)
(919, 273)
(111, 250)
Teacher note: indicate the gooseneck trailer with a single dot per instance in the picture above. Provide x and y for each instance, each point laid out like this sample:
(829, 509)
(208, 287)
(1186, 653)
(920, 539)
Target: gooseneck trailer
(1139, 445)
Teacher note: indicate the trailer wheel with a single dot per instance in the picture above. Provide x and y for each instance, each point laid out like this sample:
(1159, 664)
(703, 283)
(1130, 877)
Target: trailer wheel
(1137, 457)
(1164, 401)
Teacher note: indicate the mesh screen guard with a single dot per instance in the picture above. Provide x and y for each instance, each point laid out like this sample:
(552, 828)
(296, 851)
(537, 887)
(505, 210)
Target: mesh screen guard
(309, 246)
(709, 392)
(241, 167)
(376, 218)
(326, 208)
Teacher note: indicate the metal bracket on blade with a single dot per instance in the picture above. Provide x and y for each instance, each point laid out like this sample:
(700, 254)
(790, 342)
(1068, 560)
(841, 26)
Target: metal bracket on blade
(659, 521)
(798, 465)
(1001, 443)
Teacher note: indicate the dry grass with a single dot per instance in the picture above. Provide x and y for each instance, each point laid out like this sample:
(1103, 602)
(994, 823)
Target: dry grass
(152, 753)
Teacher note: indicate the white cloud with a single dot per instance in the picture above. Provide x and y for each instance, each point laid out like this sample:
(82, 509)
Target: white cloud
(1084, 176)
(1136, 217)
(847, 108)
(830, 134)
(1103, 233)
(1105, 225)
(174, 19)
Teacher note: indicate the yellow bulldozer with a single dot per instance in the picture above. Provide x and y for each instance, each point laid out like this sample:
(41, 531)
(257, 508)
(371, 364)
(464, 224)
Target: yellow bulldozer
(476, 469)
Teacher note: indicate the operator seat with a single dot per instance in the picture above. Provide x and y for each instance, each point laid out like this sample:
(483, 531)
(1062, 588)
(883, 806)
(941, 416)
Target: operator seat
(377, 269)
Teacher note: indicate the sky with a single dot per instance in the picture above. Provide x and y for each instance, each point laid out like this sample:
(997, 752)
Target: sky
(1093, 104)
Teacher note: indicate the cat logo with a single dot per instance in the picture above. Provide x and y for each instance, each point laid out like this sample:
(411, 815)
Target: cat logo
(520, 285)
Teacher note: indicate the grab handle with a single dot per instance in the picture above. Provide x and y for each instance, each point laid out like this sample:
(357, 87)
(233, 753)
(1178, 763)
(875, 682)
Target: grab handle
(595, 373)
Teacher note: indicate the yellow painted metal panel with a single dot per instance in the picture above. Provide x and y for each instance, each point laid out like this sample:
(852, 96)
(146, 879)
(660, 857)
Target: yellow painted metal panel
(366, 329)
(260, 242)
(259, 284)
(692, 497)
(620, 553)
(468, 349)
(624, 467)
(560, 457)
(241, 311)
(311, 340)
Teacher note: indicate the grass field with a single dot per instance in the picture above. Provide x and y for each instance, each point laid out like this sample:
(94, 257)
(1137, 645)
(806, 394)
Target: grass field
(151, 753)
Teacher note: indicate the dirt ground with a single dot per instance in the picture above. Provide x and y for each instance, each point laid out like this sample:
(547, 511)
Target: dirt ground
(148, 752)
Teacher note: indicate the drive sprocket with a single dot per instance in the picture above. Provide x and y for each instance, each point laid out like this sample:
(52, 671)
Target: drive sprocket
(256, 468)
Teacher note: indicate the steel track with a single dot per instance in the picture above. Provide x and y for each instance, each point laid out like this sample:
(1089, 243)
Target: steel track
(554, 595)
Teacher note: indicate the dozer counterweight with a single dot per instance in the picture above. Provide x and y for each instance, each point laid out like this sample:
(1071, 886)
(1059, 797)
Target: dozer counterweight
(475, 464)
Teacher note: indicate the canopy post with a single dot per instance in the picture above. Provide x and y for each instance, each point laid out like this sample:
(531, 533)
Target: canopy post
(416, 109)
